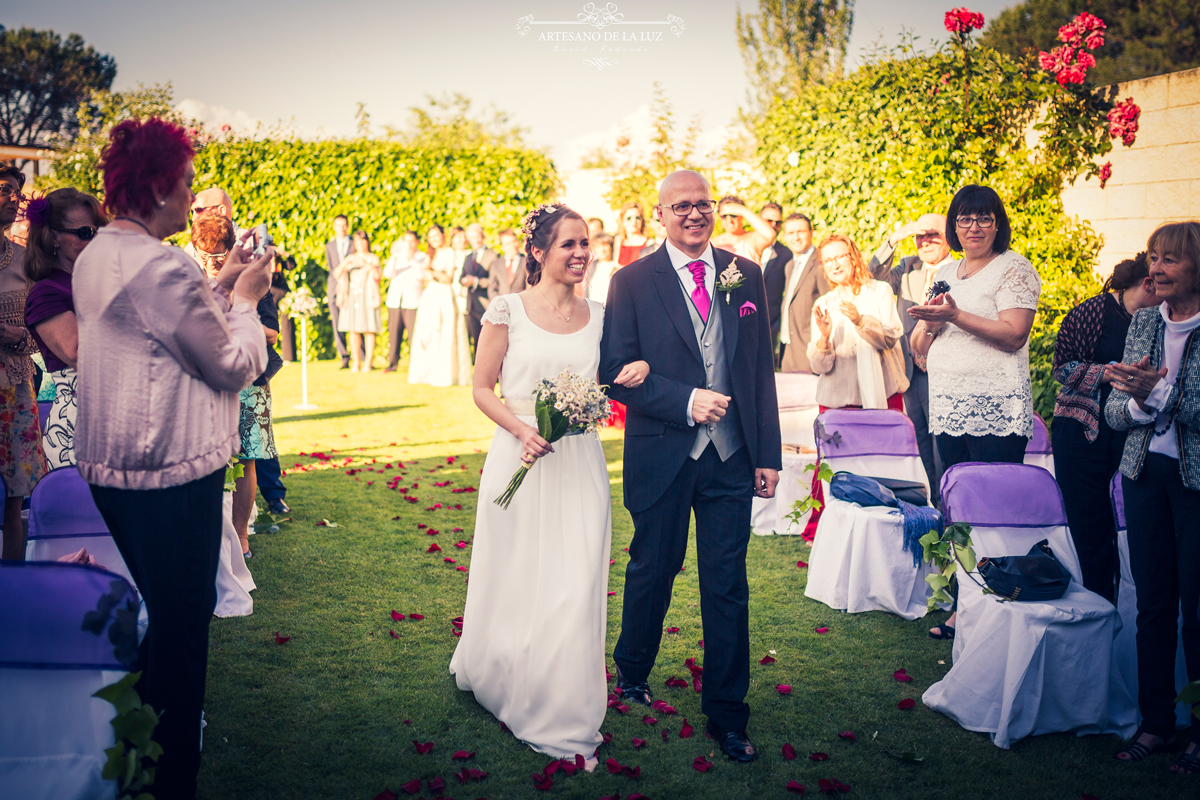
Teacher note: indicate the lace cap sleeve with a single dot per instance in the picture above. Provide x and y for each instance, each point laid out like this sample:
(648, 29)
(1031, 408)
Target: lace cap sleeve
(1019, 287)
(498, 312)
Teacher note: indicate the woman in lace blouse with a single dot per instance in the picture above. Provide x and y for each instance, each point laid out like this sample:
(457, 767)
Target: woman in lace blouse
(974, 341)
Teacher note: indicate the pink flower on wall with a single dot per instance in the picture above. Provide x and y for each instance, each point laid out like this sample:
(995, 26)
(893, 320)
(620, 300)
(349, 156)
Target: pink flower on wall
(1070, 61)
(1105, 173)
(1123, 121)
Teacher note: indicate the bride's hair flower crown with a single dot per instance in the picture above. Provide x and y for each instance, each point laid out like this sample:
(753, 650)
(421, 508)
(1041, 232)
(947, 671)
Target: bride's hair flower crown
(533, 218)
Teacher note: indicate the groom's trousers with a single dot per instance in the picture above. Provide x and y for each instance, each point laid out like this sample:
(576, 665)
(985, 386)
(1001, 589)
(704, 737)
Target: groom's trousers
(720, 493)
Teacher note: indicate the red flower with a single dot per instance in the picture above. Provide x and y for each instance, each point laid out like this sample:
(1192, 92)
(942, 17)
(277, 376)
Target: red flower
(1123, 121)
(795, 788)
(416, 617)
(461, 569)
(766, 660)
(669, 630)
(542, 782)
(551, 768)
(821, 630)
(962, 20)
(902, 676)
(848, 735)
(1105, 173)
(437, 784)
(449, 561)
(686, 731)
(412, 787)
(819, 757)
(281, 639)
(702, 764)
(433, 548)
(394, 634)
(631, 772)
(676, 683)
(460, 545)
(906, 704)
(422, 749)
(649, 720)
(639, 742)
(607, 738)
(783, 688)
(789, 752)
(461, 755)
(697, 686)
(614, 766)
(801, 565)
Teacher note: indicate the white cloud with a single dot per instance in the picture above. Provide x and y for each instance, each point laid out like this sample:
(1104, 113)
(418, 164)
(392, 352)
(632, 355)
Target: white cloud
(639, 126)
(241, 122)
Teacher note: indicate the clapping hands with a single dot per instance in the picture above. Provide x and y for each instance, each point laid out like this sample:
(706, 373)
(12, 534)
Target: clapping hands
(1136, 380)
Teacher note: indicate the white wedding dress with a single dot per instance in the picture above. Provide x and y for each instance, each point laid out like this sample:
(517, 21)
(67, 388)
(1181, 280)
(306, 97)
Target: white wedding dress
(534, 628)
(440, 354)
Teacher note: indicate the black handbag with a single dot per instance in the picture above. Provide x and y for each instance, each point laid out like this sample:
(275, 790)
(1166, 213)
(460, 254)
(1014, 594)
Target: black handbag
(1035, 577)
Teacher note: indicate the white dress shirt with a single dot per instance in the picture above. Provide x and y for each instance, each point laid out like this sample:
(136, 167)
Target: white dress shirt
(407, 276)
(799, 261)
(343, 246)
(680, 261)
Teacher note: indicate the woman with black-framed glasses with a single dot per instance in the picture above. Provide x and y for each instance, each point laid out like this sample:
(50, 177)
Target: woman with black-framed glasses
(60, 226)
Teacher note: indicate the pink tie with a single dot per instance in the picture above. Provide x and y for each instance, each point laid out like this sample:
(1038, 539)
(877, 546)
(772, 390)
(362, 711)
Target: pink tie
(700, 294)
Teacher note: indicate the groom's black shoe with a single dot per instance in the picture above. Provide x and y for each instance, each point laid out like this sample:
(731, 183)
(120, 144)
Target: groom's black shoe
(736, 745)
(634, 692)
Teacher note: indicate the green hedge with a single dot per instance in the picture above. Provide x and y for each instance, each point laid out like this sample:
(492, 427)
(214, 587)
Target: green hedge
(297, 187)
(899, 136)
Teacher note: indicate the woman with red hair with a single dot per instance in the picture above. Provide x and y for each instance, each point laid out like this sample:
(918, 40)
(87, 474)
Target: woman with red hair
(163, 353)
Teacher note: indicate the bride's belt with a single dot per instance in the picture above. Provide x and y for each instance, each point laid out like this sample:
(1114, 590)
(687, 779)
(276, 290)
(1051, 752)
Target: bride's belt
(528, 408)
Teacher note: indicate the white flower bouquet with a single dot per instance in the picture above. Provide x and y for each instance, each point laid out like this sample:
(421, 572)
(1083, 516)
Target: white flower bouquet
(299, 303)
(570, 404)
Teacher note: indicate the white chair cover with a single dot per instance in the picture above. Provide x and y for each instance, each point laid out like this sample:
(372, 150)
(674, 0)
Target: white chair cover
(1125, 646)
(797, 397)
(234, 582)
(53, 733)
(859, 561)
(1038, 452)
(1026, 668)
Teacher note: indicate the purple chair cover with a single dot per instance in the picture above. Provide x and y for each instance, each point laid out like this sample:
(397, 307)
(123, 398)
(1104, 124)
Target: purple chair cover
(1039, 444)
(1117, 493)
(44, 407)
(61, 505)
(66, 616)
(864, 432)
(1002, 496)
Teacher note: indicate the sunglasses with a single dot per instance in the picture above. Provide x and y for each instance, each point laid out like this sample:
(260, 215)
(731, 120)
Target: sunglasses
(198, 210)
(85, 234)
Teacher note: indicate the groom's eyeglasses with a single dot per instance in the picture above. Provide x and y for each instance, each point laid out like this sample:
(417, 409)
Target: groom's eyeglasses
(683, 209)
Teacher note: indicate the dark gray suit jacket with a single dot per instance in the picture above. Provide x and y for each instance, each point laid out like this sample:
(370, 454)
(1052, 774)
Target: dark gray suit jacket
(332, 259)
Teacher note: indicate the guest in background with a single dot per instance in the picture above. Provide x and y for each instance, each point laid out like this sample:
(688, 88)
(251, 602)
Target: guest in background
(61, 225)
(602, 268)
(439, 354)
(631, 236)
(595, 227)
(405, 271)
(911, 280)
(156, 459)
(22, 463)
(658, 233)
(975, 340)
(1087, 451)
(509, 275)
(855, 347)
(805, 283)
(774, 264)
(1156, 398)
(736, 239)
(358, 277)
(336, 249)
(476, 274)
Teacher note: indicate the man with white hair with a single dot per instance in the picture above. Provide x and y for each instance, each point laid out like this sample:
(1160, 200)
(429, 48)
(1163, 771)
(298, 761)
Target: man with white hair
(476, 276)
(911, 280)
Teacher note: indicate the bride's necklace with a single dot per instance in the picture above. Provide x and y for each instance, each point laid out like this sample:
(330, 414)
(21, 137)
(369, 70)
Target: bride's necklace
(561, 314)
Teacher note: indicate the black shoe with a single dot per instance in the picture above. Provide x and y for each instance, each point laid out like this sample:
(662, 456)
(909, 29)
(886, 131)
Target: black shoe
(736, 745)
(345, 365)
(634, 692)
(278, 507)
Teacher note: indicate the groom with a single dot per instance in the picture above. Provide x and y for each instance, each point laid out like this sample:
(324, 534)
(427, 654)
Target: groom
(702, 436)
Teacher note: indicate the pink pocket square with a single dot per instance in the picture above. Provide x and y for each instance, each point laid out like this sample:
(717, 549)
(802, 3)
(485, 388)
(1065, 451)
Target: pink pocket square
(747, 309)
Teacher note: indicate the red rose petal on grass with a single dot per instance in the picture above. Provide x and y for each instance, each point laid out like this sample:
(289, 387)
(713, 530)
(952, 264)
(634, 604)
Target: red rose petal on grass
(463, 776)
(801, 565)
(819, 757)
(789, 752)
(821, 630)
(408, 722)
(666, 734)
(551, 768)
(433, 548)
(394, 634)
(622, 708)
(610, 594)
(613, 766)
(841, 787)
(637, 796)
(416, 617)
(412, 787)
(618, 691)
(902, 676)
(461, 755)
(461, 569)
(458, 623)
(766, 660)
(449, 561)
(848, 735)
(686, 731)
(826, 786)
(611, 797)
(649, 720)
(281, 639)
(387, 794)
(432, 532)
(580, 761)
(422, 748)
(542, 782)
(568, 767)
(697, 686)
(437, 784)
(672, 630)
(702, 764)
(607, 738)
(504, 727)
(398, 517)
(906, 704)
(631, 772)
(783, 688)
(701, 644)
(676, 683)
(639, 742)
(476, 774)
(396, 615)
(460, 545)
(795, 788)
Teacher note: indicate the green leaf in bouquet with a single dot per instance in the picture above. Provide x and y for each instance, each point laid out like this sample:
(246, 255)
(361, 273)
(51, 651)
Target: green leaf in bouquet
(542, 411)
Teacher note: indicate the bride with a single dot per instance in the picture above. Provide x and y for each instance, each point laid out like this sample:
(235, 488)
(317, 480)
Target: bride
(534, 628)
(438, 342)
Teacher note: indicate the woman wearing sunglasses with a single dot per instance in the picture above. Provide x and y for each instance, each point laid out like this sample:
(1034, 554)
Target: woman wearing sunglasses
(60, 225)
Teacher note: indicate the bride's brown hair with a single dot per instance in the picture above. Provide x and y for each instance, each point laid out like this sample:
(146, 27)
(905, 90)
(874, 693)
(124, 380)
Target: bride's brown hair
(539, 229)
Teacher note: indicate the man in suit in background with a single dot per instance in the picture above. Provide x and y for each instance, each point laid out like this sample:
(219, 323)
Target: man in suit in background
(805, 282)
(508, 273)
(659, 231)
(476, 274)
(336, 249)
(774, 263)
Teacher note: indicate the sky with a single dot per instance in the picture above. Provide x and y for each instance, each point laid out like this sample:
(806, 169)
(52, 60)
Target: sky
(307, 64)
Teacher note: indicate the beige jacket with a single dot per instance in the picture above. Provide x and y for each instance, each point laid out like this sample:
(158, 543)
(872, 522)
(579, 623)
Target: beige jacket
(162, 357)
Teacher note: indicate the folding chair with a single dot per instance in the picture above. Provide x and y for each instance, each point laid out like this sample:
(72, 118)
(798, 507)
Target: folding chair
(1038, 452)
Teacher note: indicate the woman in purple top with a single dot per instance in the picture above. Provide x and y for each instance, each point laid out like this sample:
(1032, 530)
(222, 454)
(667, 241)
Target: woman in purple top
(60, 225)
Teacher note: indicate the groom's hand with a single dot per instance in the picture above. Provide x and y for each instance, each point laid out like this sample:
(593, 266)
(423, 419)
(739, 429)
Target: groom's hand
(709, 406)
(765, 481)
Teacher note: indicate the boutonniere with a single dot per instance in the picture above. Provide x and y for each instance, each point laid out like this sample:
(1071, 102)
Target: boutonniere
(729, 280)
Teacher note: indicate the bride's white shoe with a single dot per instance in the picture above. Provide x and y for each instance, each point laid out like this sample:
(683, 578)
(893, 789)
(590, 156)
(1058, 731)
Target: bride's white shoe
(590, 764)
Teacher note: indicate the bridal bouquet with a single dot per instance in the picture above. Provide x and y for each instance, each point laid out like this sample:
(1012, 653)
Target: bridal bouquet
(565, 406)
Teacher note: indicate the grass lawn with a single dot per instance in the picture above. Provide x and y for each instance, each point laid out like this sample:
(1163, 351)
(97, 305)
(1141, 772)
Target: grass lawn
(333, 713)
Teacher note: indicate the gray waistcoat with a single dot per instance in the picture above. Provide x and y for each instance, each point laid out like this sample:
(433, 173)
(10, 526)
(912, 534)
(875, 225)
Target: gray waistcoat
(726, 435)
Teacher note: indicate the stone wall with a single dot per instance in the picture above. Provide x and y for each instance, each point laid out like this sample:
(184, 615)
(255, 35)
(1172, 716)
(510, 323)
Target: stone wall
(1155, 181)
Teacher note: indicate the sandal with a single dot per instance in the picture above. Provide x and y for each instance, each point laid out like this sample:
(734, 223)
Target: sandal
(944, 631)
(1187, 763)
(1136, 751)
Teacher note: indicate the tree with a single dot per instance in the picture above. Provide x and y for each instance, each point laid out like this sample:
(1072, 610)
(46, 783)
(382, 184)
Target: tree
(791, 44)
(1144, 37)
(447, 122)
(43, 79)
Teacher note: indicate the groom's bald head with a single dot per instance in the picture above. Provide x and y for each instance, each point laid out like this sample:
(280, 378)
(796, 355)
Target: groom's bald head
(681, 180)
(690, 233)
